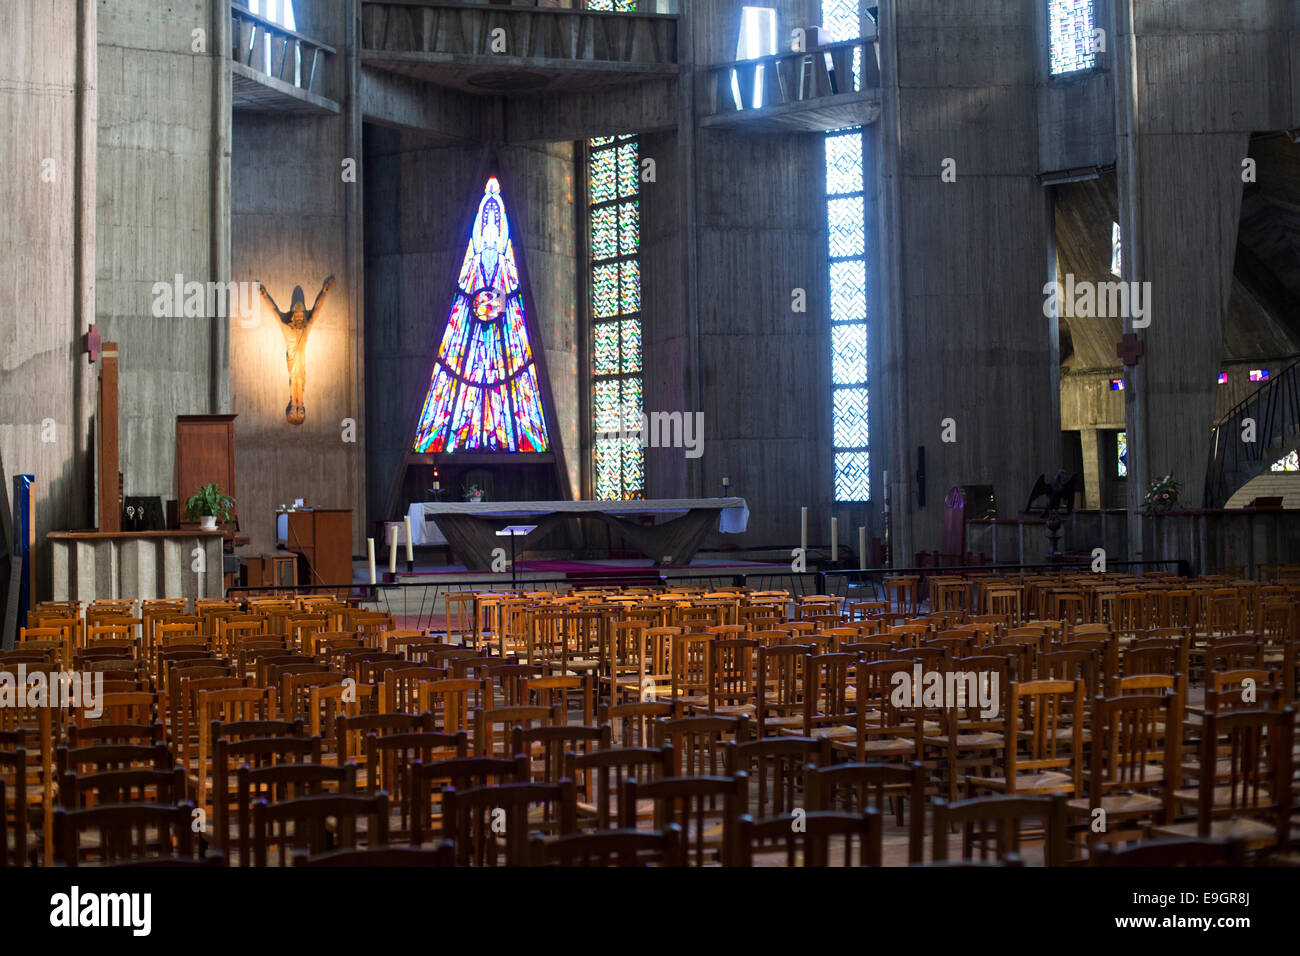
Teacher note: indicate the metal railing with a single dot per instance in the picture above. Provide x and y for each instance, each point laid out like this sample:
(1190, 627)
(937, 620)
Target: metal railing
(251, 35)
(1275, 409)
(425, 26)
(830, 70)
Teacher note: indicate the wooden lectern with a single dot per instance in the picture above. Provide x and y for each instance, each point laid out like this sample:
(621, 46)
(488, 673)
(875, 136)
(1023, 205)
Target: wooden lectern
(323, 536)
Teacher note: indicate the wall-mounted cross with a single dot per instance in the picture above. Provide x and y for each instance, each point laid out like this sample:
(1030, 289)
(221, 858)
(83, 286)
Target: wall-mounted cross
(93, 344)
(1130, 348)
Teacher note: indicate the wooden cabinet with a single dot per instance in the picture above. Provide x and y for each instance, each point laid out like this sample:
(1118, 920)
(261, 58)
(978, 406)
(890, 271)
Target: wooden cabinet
(205, 453)
(323, 536)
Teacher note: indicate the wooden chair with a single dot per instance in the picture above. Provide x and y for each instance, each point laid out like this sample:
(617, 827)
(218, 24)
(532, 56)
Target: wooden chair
(1045, 717)
(124, 833)
(811, 839)
(608, 771)
(775, 766)
(781, 677)
(623, 848)
(1166, 853)
(275, 782)
(491, 826)
(700, 743)
(856, 787)
(707, 809)
(996, 826)
(317, 824)
(426, 783)
(1244, 780)
(1133, 768)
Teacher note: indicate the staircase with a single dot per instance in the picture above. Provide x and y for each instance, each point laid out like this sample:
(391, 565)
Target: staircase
(1275, 409)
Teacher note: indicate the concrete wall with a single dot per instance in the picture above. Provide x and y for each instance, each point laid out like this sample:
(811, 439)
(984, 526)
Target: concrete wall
(157, 154)
(967, 337)
(1194, 79)
(46, 279)
(289, 222)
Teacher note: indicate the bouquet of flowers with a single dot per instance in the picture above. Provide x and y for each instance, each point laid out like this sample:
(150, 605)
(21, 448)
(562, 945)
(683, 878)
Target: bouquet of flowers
(1161, 496)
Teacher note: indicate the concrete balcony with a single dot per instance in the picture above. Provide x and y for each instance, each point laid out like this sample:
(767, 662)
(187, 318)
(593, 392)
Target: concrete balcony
(829, 87)
(277, 70)
(509, 50)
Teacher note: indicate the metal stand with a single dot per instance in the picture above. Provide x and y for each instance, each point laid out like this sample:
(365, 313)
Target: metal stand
(515, 531)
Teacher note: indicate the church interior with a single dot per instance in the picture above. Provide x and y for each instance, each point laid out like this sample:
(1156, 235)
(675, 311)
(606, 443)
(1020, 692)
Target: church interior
(711, 433)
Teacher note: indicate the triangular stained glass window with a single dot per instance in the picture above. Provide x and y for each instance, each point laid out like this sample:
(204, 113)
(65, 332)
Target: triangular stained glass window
(484, 394)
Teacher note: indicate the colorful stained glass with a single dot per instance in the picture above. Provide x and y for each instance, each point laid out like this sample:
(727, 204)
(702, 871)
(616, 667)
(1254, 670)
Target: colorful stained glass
(615, 230)
(1116, 250)
(612, 6)
(1121, 455)
(484, 393)
(1070, 25)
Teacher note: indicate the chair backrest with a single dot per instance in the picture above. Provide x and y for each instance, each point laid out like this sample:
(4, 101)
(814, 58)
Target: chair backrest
(811, 839)
(996, 826)
(491, 826)
(628, 847)
(856, 787)
(124, 833)
(1230, 851)
(317, 823)
(697, 804)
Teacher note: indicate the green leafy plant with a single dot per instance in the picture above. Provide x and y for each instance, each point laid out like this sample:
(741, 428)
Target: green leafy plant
(1161, 496)
(210, 500)
(470, 491)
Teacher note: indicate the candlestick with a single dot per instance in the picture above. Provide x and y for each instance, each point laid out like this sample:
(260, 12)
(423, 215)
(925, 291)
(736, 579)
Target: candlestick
(803, 527)
(862, 547)
(370, 551)
(392, 548)
(410, 545)
(437, 486)
(835, 539)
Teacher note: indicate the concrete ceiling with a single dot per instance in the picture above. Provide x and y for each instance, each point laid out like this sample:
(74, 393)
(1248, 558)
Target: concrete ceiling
(1264, 305)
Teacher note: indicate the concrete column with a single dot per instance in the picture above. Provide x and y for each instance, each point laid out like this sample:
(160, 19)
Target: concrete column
(1093, 470)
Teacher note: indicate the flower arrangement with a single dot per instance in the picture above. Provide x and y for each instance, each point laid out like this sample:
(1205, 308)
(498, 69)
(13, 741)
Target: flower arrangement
(471, 492)
(1161, 496)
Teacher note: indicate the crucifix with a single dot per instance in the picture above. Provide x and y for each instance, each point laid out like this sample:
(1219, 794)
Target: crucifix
(296, 325)
(1130, 349)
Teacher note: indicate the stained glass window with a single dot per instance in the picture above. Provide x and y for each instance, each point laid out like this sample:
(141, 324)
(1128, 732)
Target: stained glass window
(847, 246)
(846, 232)
(1070, 26)
(484, 394)
(1116, 247)
(1121, 455)
(614, 218)
(612, 6)
(1290, 463)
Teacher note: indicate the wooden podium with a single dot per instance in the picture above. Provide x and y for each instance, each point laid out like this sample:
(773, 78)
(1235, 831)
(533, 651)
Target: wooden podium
(323, 536)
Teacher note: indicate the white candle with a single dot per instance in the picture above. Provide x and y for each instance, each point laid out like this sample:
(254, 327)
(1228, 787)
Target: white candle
(410, 545)
(370, 551)
(886, 487)
(862, 547)
(835, 539)
(437, 486)
(803, 527)
(392, 548)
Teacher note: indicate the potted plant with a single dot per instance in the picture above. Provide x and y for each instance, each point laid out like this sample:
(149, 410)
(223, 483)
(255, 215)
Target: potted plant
(209, 506)
(1161, 496)
(472, 493)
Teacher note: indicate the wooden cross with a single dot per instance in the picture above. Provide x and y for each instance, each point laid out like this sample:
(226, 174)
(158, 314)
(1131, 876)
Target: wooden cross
(1129, 349)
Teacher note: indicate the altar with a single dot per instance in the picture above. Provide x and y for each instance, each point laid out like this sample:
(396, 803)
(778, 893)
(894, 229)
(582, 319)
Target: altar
(470, 528)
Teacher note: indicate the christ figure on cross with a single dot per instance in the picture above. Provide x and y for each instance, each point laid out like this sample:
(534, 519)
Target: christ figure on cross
(296, 325)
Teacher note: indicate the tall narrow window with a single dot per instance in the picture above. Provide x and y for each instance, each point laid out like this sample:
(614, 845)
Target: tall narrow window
(1070, 26)
(846, 229)
(281, 12)
(1116, 250)
(612, 6)
(614, 220)
(1121, 455)
(757, 39)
